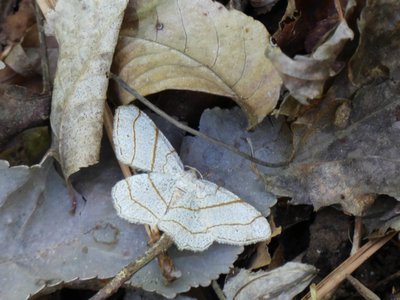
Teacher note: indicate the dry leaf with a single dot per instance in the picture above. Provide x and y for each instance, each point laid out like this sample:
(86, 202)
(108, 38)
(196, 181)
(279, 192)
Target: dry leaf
(20, 108)
(262, 6)
(193, 212)
(305, 75)
(379, 39)
(351, 165)
(14, 26)
(93, 243)
(198, 45)
(279, 284)
(87, 33)
(270, 141)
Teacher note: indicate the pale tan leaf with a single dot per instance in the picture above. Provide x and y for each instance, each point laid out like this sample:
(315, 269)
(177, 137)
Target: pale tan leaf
(198, 45)
(87, 32)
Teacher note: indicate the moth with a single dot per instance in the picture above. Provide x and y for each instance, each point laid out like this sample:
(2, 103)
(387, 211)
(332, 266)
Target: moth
(192, 211)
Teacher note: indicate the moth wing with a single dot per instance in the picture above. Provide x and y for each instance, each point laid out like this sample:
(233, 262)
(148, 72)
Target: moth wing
(203, 213)
(143, 198)
(139, 143)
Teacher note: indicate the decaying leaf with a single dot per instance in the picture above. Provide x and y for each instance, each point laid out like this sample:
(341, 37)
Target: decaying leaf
(20, 108)
(379, 40)
(28, 147)
(351, 165)
(14, 26)
(262, 6)
(270, 141)
(193, 212)
(305, 75)
(197, 45)
(87, 34)
(383, 215)
(279, 284)
(94, 242)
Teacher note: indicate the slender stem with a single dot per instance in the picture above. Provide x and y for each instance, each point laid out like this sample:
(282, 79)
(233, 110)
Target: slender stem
(217, 290)
(330, 282)
(357, 234)
(178, 124)
(128, 271)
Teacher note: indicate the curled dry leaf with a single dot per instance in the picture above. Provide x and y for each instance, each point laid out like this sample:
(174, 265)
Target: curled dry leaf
(87, 34)
(193, 212)
(283, 283)
(14, 26)
(201, 46)
(305, 75)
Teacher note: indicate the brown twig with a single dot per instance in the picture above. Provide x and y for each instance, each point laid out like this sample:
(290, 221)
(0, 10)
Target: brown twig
(44, 60)
(365, 292)
(127, 272)
(217, 290)
(178, 124)
(357, 234)
(330, 282)
(164, 261)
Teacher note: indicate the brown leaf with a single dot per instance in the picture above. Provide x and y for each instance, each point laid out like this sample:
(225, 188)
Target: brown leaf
(380, 38)
(200, 46)
(305, 75)
(350, 165)
(14, 27)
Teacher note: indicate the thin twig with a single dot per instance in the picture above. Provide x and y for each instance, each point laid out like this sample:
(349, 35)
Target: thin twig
(43, 51)
(217, 290)
(178, 124)
(127, 272)
(364, 292)
(164, 261)
(330, 282)
(356, 234)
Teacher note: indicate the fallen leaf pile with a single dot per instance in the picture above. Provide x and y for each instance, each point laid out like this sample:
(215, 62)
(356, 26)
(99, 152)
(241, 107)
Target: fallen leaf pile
(312, 85)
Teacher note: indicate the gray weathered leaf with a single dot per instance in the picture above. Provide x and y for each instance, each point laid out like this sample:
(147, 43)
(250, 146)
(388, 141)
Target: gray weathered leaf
(379, 40)
(282, 283)
(350, 158)
(269, 142)
(46, 245)
(349, 165)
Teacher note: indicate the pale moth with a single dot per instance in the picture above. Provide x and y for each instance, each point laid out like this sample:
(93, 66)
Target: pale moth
(193, 212)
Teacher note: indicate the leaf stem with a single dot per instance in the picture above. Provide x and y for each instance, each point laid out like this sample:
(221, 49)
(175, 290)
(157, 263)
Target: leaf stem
(178, 124)
(128, 271)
